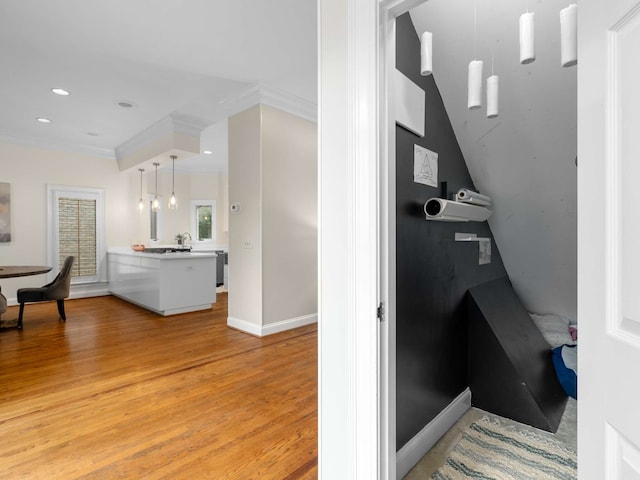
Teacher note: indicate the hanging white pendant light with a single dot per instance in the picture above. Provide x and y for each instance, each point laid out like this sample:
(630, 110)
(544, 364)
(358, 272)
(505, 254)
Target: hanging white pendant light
(569, 36)
(474, 92)
(141, 202)
(173, 201)
(493, 87)
(426, 54)
(527, 38)
(155, 205)
(474, 80)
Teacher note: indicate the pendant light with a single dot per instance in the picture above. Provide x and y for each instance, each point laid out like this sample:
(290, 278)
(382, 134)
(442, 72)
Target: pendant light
(569, 36)
(141, 202)
(426, 54)
(173, 202)
(155, 205)
(493, 85)
(474, 81)
(527, 37)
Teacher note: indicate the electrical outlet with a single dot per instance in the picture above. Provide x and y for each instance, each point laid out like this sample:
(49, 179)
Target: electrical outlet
(247, 244)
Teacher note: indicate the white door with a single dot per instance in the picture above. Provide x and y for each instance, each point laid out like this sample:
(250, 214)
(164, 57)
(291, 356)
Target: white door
(609, 239)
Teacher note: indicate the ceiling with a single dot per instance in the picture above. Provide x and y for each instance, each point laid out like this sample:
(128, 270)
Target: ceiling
(187, 60)
(525, 159)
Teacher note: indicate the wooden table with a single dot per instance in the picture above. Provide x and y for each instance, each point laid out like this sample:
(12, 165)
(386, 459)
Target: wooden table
(9, 271)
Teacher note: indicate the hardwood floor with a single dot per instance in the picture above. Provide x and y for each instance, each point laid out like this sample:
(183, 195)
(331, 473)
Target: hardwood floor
(117, 392)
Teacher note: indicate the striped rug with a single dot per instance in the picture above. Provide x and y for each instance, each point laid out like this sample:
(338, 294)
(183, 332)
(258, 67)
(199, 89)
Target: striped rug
(490, 451)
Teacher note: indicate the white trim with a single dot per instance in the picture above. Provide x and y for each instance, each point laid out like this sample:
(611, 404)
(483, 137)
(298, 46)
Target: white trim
(290, 324)
(51, 144)
(97, 194)
(243, 325)
(387, 367)
(349, 122)
(409, 455)
(271, 328)
(209, 242)
(264, 95)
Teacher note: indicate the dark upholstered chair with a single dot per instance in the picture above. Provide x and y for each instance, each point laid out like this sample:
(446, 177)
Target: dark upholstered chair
(57, 290)
(3, 303)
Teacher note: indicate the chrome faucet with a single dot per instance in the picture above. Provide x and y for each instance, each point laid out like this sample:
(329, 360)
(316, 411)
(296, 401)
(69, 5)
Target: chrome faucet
(184, 238)
(181, 238)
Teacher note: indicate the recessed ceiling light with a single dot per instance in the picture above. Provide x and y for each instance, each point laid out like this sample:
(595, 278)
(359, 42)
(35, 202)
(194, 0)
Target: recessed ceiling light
(43, 120)
(60, 91)
(207, 152)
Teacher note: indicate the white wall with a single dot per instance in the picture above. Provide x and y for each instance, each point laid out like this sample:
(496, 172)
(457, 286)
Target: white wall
(525, 158)
(289, 216)
(29, 170)
(245, 184)
(273, 239)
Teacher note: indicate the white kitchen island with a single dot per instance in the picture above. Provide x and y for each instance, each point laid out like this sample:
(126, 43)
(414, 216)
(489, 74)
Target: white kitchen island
(165, 283)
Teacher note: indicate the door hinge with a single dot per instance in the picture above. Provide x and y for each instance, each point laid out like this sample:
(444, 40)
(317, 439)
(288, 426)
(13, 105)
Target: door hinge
(380, 312)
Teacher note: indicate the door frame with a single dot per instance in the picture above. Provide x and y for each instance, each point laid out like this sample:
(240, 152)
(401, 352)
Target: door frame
(356, 353)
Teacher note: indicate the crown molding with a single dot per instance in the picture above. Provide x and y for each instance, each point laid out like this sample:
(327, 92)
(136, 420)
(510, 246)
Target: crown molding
(49, 144)
(169, 125)
(261, 94)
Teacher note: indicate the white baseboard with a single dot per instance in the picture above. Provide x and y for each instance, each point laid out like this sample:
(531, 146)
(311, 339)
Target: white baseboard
(244, 326)
(271, 328)
(416, 448)
(78, 291)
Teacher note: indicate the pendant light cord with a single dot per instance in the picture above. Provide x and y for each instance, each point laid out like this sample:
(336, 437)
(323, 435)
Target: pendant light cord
(492, 60)
(475, 29)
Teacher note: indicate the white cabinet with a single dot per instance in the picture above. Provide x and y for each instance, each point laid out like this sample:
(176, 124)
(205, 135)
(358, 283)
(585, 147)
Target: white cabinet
(168, 283)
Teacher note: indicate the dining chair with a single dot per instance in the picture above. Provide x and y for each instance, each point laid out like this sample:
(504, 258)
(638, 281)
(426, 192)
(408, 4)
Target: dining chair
(57, 290)
(3, 302)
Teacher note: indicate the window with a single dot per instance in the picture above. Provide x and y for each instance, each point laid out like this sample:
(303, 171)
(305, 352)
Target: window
(155, 219)
(76, 227)
(203, 221)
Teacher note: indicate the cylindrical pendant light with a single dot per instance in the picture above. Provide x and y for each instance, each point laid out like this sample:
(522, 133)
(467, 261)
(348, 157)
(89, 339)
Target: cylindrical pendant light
(426, 54)
(155, 205)
(141, 202)
(474, 93)
(173, 202)
(527, 38)
(569, 36)
(493, 83)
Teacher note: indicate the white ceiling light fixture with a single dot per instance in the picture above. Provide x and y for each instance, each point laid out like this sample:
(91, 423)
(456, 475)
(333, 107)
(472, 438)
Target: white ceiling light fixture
(207, 152)
(426, 54)
(493, 87)
(43, 120)
(474, 80)
(173, 202)
(569, 36)
(155, 205)
(60, 91)
(141, 202)
(527, 37)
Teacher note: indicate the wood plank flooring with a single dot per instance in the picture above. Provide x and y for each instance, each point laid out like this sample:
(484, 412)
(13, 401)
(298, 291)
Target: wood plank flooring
(117, 392)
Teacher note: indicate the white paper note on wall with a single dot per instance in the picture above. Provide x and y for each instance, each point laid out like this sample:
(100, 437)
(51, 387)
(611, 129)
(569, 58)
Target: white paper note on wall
(484, 247)
(425, 166)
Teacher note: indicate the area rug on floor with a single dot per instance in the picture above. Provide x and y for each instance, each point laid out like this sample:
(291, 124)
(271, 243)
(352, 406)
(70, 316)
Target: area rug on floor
(490, 451)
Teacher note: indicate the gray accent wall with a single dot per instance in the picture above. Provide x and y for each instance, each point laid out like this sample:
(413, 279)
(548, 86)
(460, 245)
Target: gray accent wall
(433, 271)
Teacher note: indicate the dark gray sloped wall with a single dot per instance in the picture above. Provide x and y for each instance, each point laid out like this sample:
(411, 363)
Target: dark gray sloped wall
(433, 271)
